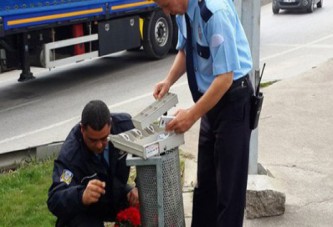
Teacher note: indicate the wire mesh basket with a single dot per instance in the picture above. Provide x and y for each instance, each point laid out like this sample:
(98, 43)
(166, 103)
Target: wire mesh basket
(159, 183)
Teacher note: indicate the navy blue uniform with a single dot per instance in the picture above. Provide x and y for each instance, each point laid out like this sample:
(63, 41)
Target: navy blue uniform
(73, 169)
(215, 44)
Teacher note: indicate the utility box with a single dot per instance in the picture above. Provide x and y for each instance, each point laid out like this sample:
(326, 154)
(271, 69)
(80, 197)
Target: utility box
(155, 154)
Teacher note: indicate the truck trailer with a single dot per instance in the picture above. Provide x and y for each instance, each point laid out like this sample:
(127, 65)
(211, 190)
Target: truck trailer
(50, 33)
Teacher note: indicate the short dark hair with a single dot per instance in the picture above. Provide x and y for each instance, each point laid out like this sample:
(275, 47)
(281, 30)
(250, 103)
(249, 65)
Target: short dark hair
(95, 114)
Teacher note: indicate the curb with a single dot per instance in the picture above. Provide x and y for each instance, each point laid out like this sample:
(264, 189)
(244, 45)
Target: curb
(265, 2)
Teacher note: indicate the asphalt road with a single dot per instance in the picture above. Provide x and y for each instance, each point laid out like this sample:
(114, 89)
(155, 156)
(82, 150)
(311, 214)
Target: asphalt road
(293, 42)
(43, 110)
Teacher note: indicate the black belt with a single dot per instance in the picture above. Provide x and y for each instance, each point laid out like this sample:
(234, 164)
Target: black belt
(240, 89)
(239, 84)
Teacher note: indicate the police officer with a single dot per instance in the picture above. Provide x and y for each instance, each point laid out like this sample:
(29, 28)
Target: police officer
(214, 51)
(90, 175)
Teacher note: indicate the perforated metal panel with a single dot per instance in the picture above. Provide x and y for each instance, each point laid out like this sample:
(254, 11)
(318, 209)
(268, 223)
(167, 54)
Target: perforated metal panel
(159, 183)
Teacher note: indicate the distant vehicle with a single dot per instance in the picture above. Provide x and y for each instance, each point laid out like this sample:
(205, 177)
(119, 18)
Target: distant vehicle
(307, 5)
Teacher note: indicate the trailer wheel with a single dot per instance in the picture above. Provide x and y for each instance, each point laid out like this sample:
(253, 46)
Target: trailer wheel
(157, 35)
(310, 7)
(275, 7)
(320, 4)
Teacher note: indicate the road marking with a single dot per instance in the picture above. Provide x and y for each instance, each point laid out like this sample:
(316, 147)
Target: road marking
(18, 106)
(297, 45)
(297, 48)
(77, 118)
(38, 130)
(142, 96)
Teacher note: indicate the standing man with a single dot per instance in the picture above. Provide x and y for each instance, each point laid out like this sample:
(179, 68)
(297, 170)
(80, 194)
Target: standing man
(90, 175)
(214, 51)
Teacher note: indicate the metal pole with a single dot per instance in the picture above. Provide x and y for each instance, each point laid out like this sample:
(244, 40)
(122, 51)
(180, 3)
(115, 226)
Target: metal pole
(25, 65)
(249, 13)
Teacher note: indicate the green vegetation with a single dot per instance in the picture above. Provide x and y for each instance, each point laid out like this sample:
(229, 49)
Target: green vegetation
(266, 84)
(23, 195)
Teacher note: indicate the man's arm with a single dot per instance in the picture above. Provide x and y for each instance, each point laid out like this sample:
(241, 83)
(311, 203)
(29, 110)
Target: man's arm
(178, 68)
(123, 122)
(133, 197)
(186, 118)
(65, 194)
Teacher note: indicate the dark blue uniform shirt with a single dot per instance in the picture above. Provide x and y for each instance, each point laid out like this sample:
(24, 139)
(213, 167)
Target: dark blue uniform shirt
(76, 165)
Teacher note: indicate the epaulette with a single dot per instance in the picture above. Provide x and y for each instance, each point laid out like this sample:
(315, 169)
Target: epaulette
(204, 11)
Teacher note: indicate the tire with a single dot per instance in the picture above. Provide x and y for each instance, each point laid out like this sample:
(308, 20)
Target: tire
(310, 7)
(157, 34)
(320, 4)
(275, 8)
(37, 57)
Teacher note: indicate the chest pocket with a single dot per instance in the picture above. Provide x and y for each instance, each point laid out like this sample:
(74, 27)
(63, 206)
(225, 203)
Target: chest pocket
(203, 51)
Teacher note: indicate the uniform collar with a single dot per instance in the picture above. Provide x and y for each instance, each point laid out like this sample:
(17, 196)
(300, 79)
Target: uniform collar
(192, 4)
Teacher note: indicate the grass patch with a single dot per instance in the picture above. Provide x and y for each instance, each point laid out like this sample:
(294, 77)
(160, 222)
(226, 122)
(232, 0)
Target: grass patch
(266, 84)
(23, 195)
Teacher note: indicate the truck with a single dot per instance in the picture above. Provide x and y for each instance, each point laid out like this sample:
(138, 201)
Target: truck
(51, 33)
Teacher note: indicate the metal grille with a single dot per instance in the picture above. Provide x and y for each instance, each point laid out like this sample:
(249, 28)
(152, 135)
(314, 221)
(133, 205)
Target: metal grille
(168, 192)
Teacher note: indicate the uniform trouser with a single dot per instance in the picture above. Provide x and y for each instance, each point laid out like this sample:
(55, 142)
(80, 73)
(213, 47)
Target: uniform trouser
(219, 196)
(86, 221)
(92, 219)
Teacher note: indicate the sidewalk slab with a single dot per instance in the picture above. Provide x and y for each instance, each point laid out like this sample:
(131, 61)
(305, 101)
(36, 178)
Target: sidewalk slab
(295, 145)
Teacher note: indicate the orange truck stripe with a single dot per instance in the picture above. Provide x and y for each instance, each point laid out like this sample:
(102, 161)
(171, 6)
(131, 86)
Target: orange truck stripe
(55, 16)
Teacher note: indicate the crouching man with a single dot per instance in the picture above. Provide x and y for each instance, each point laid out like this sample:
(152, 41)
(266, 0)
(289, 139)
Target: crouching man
(90, 175)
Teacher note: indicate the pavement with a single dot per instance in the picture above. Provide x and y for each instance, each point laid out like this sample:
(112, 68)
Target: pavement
(295, 144)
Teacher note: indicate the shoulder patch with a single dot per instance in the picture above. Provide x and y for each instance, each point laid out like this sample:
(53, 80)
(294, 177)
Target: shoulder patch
(216, 40)
(66, 176)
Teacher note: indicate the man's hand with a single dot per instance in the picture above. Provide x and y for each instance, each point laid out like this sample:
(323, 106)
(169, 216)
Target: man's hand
(133, 197)
(182, 122)
(178, 68)
(161, 89)
(184, 119)
(94, 190)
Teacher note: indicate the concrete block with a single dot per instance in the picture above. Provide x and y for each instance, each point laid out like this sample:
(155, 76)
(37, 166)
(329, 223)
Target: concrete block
(48, 151)
(263, 198)
(12, 160)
